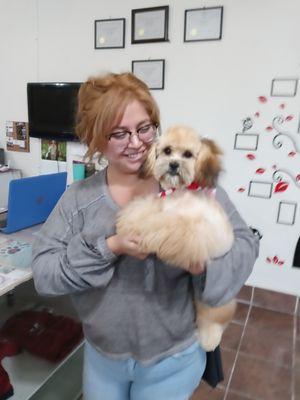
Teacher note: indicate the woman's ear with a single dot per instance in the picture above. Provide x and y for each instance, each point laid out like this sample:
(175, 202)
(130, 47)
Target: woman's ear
(148, 166)
(208, 163)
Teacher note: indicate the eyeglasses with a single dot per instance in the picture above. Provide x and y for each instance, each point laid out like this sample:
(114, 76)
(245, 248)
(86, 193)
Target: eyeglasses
(145, 133)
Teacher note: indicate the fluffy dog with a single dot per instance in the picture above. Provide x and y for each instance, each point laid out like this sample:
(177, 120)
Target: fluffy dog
(187, 227)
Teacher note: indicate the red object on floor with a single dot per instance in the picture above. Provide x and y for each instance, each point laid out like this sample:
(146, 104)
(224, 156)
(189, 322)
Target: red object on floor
(7, 348)
(44, 334)
(6, 389)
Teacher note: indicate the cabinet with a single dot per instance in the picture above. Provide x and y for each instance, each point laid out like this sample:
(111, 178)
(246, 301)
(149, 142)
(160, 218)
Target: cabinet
(32, 377)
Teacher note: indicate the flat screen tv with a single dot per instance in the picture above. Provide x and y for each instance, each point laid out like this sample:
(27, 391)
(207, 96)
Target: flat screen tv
(51, 109)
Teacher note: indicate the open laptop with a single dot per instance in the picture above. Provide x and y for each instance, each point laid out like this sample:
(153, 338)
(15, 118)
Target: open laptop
(30, 200)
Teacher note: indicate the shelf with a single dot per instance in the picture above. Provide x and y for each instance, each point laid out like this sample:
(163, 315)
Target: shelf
(29, 374)
(32, 377)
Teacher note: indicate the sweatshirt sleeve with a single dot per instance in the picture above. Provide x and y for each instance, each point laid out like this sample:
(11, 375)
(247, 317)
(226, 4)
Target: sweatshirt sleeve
(225, 276)
(64, 261)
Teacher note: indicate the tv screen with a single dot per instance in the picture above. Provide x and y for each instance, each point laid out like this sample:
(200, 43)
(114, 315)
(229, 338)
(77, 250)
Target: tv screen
(52, 109)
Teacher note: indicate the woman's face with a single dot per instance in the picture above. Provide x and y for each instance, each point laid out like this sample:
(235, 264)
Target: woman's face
(126, 153)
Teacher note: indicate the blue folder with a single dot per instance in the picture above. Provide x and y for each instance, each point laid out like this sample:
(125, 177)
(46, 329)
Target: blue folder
(31, 200)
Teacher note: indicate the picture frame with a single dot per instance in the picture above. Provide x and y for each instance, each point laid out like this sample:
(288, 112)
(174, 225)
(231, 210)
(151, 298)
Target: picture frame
(152, 72)
(203, 24)
(150, 25)
(109, 33)
(284, 87)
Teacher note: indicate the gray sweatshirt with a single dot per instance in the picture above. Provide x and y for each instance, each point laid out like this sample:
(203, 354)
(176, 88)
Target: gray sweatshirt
(128, 307)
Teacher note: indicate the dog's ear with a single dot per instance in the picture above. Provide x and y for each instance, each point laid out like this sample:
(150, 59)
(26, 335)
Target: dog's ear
(148, 166)
(208, 163)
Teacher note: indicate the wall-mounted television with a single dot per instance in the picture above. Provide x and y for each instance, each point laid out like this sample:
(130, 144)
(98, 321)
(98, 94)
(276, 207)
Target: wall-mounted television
(51, 109)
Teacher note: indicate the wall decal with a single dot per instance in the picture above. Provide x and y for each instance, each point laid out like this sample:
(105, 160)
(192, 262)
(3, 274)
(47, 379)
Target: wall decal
(247, 124)
(284, 87)
(287, 213)
(246, 141)
(262, 99)
(278, 176)
(277, 140)
(272, 171)
(260, 189)
(274, 260)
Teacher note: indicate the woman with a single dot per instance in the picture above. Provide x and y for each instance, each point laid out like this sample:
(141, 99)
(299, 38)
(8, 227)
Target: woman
(137, 313)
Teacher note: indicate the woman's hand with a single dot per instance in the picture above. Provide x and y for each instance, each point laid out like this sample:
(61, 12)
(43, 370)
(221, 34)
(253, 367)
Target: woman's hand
(125, 245)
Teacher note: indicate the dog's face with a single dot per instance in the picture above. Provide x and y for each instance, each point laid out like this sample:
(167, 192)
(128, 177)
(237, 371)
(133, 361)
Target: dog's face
(180, 156)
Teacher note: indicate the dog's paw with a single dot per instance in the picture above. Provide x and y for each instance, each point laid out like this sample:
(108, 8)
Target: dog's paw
(210, 336)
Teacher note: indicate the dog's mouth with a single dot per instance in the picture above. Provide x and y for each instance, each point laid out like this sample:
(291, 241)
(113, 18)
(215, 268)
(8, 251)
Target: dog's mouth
(173, 173)
(171, 179)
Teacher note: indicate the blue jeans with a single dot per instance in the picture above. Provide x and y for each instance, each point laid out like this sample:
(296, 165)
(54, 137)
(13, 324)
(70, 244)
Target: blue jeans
(173, 378)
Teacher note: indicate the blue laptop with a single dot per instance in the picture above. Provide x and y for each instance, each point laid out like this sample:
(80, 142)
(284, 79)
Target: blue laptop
(31, 200)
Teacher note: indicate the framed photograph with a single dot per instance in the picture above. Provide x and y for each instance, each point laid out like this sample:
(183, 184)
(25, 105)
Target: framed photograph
(201, 24)
(284, 87)
(110, 33)
(53, 150)
(152, 72)
(149, 25)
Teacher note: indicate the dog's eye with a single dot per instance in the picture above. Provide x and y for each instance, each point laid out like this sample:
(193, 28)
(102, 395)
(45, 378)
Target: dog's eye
(187, 154)
(167, 151)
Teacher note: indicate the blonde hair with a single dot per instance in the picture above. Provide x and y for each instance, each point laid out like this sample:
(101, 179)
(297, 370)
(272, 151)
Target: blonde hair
(101, 104)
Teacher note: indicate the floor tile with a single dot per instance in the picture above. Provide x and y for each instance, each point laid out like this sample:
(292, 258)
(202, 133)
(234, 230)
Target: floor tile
(205, 392)
(245, 294)
(297, 384)
(275, 301)
(268, 345)
(241, 313)
(297, 354)
(232, 336)
(271, 321)
(237, 396)
(261, 380)
(228, 358)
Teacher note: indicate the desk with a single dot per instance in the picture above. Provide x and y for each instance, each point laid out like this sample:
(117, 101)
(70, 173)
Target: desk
(31, 377)
(10, 277)
(5, 178)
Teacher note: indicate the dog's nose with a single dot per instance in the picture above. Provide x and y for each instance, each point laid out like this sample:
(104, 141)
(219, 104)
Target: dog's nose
(173, 165)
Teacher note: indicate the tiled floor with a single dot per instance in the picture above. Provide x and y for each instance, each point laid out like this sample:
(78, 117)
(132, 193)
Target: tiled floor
(260, 350)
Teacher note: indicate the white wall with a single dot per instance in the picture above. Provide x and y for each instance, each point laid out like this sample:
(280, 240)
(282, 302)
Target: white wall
(211, 86)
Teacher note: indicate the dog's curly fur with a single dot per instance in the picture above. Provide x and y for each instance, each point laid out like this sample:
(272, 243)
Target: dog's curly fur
(185, 228)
